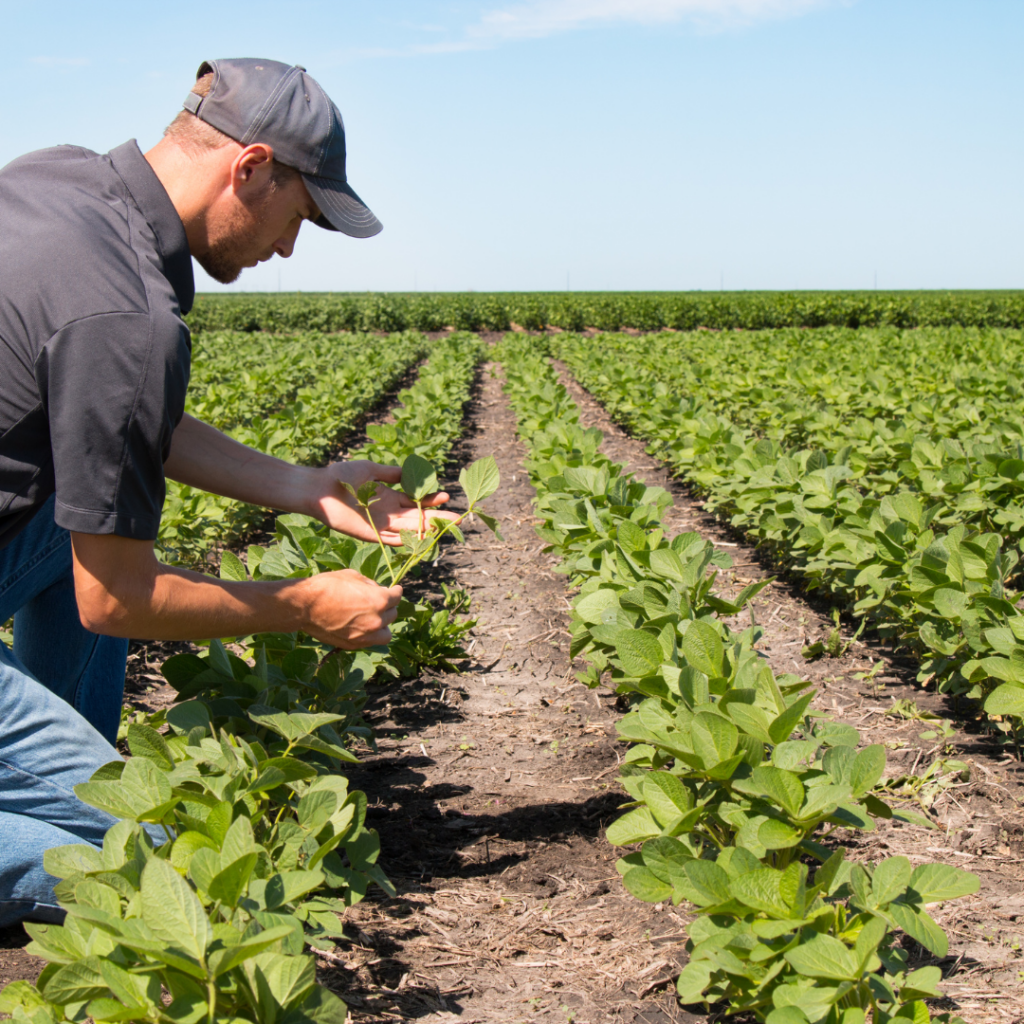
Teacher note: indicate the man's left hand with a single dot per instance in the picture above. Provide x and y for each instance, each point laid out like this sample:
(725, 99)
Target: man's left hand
(392, 511)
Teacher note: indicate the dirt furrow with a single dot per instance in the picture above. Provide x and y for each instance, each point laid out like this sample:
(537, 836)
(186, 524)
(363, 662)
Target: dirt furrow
(491, 791)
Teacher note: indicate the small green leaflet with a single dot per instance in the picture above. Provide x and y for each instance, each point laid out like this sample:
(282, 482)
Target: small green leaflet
(480, 479)
(419, 479)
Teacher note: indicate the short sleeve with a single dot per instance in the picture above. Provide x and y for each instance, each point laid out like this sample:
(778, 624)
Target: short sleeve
(114, 388)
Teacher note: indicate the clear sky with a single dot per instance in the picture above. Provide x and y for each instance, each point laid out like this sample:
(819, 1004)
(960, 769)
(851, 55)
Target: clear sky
(599, 144)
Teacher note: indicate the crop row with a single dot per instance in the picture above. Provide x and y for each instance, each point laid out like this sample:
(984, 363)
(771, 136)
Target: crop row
(238, 378)
(736, 782)
(240, 841)
(607, 311)
(346, 379)
(911, 518)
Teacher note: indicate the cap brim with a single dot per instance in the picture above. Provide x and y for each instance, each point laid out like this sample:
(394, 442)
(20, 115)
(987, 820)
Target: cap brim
(340, 208)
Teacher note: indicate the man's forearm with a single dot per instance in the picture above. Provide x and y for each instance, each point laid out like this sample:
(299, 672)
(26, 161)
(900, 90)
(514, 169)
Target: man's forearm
(122, 590)
(205, 458)
(175, 604)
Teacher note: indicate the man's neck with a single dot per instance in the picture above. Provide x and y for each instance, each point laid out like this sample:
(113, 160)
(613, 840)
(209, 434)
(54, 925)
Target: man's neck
(192, 183)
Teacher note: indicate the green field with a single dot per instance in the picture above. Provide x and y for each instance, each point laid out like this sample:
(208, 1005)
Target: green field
(607, 311)
(872, 444)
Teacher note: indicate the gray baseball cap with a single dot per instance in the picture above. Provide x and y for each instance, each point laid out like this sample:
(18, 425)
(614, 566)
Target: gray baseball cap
(254, 100)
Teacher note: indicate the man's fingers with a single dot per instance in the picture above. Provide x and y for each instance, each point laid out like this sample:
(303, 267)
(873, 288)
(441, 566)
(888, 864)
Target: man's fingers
(386, 474)
(378, 638)
(430, 501)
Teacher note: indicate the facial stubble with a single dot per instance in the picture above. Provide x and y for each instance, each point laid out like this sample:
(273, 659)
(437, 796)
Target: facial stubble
(237, 243)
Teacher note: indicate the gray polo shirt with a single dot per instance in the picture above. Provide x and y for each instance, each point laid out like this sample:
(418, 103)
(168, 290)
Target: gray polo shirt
(95, 275)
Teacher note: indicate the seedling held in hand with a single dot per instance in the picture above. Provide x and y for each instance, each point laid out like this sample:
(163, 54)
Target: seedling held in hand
(419, 480)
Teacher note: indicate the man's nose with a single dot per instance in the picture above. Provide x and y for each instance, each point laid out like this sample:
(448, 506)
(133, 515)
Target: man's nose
(285, 245)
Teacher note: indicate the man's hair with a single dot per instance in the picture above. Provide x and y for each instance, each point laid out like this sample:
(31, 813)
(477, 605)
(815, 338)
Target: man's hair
(197, 137)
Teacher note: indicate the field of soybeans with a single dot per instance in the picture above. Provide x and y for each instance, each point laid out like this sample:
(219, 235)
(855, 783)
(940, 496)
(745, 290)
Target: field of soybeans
(708, 707)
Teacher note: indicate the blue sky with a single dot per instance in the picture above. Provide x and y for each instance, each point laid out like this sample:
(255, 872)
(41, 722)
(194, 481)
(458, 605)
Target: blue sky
(603, 144)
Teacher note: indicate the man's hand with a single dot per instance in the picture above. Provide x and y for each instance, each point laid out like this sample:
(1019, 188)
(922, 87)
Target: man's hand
(349, 610)
(392, 511)
(203, 457)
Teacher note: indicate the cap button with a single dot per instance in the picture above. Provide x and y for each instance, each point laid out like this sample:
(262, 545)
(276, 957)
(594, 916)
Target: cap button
(300, 67)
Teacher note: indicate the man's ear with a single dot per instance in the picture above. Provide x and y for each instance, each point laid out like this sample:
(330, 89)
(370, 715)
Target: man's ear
(252, 167)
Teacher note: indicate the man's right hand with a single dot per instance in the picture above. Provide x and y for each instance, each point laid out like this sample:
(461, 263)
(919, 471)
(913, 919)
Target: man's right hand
(350, 611)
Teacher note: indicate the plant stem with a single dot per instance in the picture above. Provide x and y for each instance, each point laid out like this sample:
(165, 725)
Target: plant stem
(380, 541)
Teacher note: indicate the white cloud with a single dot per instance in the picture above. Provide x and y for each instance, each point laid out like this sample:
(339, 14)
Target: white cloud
(540, 18)
(536, 19)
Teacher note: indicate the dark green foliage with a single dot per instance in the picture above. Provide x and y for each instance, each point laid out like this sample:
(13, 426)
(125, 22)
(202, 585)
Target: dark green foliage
(573, 311)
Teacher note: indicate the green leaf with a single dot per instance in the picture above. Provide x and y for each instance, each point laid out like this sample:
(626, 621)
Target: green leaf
(295, 726)
(786, 1015)
(709, 881)
(922, 984)
(916, 1012)
(694, 978)
(180, 669)
(918, 925)
(639, 652)
(822, 956)
(703, 648)
(185, 846)
(418, 478)
(633, 827)
(761, 889)
(288, 886)
(232, 567)
(777, 835)
(935, 882)
(1007, 699)
(316, 807)
(172, 911)
(890, 879)
(230, 883)
(480, 479)
(144, 741)
(188, 715)
(751, 719)
(321, 1006)
(780, 786)
(714, 738)
(21, 995)
(950, 603)
(76, 982)
(294, 770)
(65, 861)
(782, 728)
(238, 840)
(142, 792)
(592, 608)
(282, 980)
(223, 960)
(867, 769)
(490, 522)
(667, 797)
(645, 885)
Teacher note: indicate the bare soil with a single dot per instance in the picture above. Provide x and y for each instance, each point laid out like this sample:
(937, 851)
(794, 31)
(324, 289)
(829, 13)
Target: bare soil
(491, 791)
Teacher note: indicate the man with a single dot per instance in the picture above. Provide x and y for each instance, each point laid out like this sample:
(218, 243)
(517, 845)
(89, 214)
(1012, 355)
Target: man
(95, 276)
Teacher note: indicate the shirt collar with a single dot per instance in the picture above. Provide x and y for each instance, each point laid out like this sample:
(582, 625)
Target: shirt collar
(152, 199)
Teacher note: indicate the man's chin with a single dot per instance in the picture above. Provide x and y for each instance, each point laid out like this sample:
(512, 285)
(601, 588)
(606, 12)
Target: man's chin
(222, 272)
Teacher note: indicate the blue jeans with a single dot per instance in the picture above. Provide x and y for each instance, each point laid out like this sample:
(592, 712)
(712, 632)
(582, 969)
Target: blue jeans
(60, 705)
